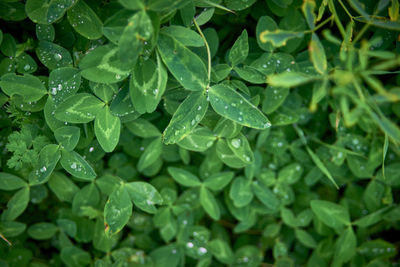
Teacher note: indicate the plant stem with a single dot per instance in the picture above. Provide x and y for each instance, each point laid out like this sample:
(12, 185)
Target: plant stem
(208, 51)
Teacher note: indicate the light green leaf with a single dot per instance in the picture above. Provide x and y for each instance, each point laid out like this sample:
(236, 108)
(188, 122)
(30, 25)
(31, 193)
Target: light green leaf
(317, 54)
(102, 65)
(218, 181)
(138, 32)
(183, 177)
(232, 105)
(62, 186)
(144, 196)
(241, 192)
(185, 36)
(42, 231)
(227, 156)
(209, 203)
(150, 155)
(117, 211)
(85, 21)
(67, 137)
(143, 128)
(265, 23)
(187, 68)
(45, 32)
(79, 108)
(107, 129)
(27, 86)
(274, 98)
(77, 166)
(345, 247)
(289, 79)
(147, 84)
(10, 182)
(331, 214)
(73, 256)
(200, 139)
(241, 148)
(16, 205)
(189, 113)
(265, 195)
(239, 50)
(278, 37)
(11, 228)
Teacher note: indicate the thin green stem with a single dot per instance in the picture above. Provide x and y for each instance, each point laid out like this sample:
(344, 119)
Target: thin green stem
(360, 34)
(345, 9)
(208, 51)
(319, 25)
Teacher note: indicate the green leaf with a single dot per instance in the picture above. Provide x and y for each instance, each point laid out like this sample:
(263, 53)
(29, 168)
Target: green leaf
(265, 195)
(11, 229)
(79, 108)
(291, 173)
(138, 32)
(45, 32)
(241, 192)
(27, 86)
(107, 129)
(377, 248)
(200, 139)
(185, 36)
(308, 11)
(48, 159)
(74, 257)
(187, 68)
(209, 204)
(147, 84)
(52, 55)
(144, 196)
(371, 218)
(239, 50)
(118, 210)
(265, 23)
(63, 187)
(103, 65)
(76, 165)
(67, 137)
(333, 215)
(42, 231)
(317, 54)
(183, 177)
(64, 82)
(274, 98)
(232, 105)
(143, 128)
(16, 205)
(218, 181)
(88, 196)
(345, 247)
(321, 166)
(189, 113)
(85, 21)
(241, 148)
(289, 79)
(238, 5)
(221, 250)
(305, 238)
(104, 91)
(46, 12)
(227, 156)
(10, 182)
(150, 155)
(278, 37)
(166, 5)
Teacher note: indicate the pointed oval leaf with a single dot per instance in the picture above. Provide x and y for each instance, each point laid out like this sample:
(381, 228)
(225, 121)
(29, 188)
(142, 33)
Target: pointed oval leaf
(279, 37)
(16, 205)
(209, 203)
(79, 108)
(10, 182)
(107, 129)
(144, 196)
(317, 54)
(48, 159)
(27, 86)
(150, 155)
(239, 50)
(232, 105)
(183, 177)
(85, 21)
(67, 137)
(64, 82)
(218, 181)
(189, 113)
(331, 214)
(42, 231)
(200, 139)
(188, 69)
(53, 56)
(77, 166)
(241, 192)
(118, 210)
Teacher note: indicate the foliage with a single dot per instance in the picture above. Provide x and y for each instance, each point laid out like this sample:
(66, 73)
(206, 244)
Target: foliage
(199, 132)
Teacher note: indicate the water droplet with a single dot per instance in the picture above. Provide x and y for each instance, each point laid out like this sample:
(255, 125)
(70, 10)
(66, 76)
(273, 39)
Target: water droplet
(210, 143)
(27, 67)
(155, 91)
(57, 57)
(43, 169)
(247, 158)
(202, 250)
(117, 76)
(199, 108)
(73, 165)
(197, 117)
(91, 149)
(236, 142)
(189, 244)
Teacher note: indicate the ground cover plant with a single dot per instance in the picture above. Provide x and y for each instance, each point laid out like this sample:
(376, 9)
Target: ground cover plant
(199, 133)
